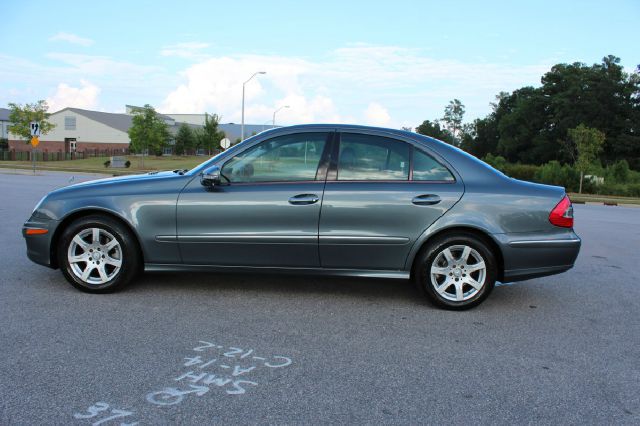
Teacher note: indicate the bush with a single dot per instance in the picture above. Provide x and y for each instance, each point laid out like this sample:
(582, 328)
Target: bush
(633, 189)
(127, 164)
(553, 173)
(619, 172)
(107, 163)
(620, 180)
(521, 171)
(497, 162)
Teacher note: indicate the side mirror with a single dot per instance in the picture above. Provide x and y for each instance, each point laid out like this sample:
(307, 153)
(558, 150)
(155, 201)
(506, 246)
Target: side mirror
(210, 177)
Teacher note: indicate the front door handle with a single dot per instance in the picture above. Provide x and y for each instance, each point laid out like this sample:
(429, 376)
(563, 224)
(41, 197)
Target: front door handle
(302, 199)
(426, 200)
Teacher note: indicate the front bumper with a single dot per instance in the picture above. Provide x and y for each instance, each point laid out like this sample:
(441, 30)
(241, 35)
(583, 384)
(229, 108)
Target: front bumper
(39, 245)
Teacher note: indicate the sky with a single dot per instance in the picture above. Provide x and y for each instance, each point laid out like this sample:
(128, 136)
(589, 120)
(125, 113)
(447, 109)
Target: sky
(386, 63)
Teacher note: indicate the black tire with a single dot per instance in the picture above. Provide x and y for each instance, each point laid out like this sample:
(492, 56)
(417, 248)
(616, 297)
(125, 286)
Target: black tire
(434, 251)
(126, 251)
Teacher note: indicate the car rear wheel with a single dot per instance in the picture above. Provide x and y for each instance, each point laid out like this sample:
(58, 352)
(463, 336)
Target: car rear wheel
(98, 254)
(456, 271)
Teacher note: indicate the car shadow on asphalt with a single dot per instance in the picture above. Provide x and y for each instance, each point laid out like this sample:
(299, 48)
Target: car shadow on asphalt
(355, 287)
(506, 297)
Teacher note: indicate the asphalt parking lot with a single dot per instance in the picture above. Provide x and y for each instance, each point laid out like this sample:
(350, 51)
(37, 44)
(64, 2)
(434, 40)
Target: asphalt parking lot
(561, 350)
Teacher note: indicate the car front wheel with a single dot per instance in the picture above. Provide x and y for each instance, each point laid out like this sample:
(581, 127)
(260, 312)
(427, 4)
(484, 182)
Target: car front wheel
(98, 254)
(456, 271)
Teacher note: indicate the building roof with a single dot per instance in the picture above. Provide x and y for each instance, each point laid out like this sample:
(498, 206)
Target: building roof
(120, 122)
(123, 122)
(4, 114)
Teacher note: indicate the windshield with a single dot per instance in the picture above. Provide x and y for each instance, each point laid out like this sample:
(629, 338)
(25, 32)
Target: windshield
(203, 165)
(200, 167)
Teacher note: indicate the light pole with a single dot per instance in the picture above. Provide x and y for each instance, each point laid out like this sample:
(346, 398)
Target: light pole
(275, 112)
(242, 127)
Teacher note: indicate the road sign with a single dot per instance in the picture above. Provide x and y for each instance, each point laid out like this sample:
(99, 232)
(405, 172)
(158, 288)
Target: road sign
(225, 143)
(35, 141)
(35, 128)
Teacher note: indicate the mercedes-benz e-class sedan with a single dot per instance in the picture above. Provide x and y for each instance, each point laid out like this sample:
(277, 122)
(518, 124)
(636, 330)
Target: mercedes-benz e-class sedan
(322, 199)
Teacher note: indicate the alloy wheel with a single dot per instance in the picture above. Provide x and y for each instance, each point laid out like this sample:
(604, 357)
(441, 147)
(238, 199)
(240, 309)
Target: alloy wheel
(95, 256)
(458, 273)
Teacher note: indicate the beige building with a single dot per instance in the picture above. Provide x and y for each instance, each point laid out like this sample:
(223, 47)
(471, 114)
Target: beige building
(79, 130)
(96, 132)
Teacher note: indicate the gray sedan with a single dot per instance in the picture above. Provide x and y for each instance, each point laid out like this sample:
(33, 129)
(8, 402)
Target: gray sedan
(321, 199)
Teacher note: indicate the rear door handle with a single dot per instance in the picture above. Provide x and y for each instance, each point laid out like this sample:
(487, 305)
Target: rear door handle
(426, 200)
(301, 199)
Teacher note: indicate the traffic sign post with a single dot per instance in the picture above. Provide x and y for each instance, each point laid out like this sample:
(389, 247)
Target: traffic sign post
(35, 141)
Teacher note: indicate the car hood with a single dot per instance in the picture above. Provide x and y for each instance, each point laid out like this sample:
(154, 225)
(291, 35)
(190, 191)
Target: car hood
(124, 179)
(102, 193)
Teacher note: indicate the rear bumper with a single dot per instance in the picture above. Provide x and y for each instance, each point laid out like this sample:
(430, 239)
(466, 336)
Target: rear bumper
(512, 275)
(527, 257)
(39, 245)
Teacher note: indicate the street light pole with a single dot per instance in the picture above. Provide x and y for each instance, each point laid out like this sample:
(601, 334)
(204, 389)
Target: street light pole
(242, 127)
(275, 112)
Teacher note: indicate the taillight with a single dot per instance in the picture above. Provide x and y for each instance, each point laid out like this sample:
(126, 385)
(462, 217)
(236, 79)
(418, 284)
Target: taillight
(562, 214)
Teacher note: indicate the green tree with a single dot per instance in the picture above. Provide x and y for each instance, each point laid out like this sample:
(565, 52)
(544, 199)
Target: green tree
(453, 116)
(530, 125)
(588, 144)
(148, 131)
(209, 136)
(433, 129)
(21, 115)
(185, 139)
(522, 128)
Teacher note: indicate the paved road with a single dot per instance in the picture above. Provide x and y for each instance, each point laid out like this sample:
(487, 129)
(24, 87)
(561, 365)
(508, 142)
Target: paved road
(562, 350)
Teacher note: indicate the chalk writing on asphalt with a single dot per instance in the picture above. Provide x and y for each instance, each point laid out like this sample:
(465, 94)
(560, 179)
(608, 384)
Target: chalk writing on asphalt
(101, 412)
(229, 369)
(205, 369)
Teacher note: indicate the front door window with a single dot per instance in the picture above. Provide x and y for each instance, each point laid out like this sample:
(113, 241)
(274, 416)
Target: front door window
(290, 158)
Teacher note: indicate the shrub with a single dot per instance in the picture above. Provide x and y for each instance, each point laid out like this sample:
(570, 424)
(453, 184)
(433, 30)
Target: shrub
(619, 171)
(633, 190)
(107, 163)
(619, 179)
(127, 164)
(553, 173)
(497, 161)
(521, 171)
(550, 173)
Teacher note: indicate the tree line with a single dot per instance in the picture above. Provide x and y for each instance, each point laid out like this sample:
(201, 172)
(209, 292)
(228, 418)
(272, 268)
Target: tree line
(534, 125)
(149, 132)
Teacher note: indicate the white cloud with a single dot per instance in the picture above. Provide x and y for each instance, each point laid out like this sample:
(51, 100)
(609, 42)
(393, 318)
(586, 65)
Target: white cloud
(121, 82)
(184, 50)
(85, 96)
(72, 38)
(407, 85)
(411, 85)
(215, 85)
(377, 115)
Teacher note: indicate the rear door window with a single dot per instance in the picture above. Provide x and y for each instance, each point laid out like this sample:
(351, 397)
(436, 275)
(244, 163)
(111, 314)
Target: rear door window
(367, 157)
(426, 168)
